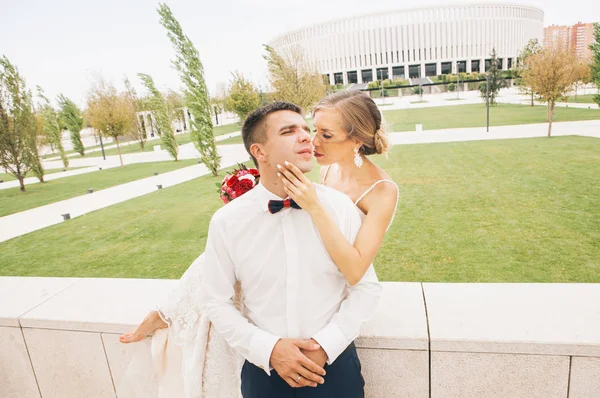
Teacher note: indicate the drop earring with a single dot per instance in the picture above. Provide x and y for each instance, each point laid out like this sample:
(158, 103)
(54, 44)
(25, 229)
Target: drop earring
(357, 158)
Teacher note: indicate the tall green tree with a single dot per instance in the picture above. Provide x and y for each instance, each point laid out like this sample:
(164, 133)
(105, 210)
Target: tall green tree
(595, 65)
(191, 72)
(18, 150)
(293, 78)
(494, 80)
(243, 96)
(533, 47)
(164, 118)
(70, 117)
(52, 126)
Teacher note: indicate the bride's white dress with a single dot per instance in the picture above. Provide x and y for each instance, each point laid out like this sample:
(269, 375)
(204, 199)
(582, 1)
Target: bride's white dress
(190, 358)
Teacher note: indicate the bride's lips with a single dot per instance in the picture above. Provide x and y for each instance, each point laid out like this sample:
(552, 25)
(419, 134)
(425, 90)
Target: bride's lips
(318, 155)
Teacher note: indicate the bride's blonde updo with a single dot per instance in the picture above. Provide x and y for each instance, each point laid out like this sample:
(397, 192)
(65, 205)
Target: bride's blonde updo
(361, 119)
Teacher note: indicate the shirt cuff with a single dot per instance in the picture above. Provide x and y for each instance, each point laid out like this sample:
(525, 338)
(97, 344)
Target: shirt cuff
(332, 340)
(262, 345)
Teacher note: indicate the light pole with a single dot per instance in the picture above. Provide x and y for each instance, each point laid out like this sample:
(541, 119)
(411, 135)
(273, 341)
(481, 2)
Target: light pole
(487, 101)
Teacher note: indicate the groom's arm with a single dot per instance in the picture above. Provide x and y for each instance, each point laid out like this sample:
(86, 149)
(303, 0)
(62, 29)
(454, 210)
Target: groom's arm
(360, 302)
(218, 283)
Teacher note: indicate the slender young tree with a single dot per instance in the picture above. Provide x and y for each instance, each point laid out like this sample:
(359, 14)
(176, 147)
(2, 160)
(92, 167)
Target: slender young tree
(18, 152)
(52, 126)
(243, 96)
(293, 78)
(191, 72)
(110, 112)
(70, 117)
(595, 65)
(495, 80)
(163, 116)
(552, 73)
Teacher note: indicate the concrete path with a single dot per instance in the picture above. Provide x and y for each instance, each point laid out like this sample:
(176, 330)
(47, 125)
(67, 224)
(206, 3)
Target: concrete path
(27, 221)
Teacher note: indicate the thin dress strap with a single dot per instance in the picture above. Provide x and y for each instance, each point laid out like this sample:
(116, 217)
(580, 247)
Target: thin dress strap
(371, 188)
(325, 175)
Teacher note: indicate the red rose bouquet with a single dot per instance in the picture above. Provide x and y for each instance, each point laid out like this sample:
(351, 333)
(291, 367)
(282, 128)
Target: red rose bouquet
(237, 183)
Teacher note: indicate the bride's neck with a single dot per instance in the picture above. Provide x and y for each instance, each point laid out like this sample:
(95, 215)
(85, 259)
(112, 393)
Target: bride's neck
(348, 171)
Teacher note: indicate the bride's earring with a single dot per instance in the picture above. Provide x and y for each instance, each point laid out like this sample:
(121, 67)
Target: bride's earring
(357, 158)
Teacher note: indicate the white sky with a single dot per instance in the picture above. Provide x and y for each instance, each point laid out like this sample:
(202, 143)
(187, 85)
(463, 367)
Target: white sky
(60, 44)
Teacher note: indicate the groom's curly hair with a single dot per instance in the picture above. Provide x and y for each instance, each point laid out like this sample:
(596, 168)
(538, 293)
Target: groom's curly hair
(253, 130)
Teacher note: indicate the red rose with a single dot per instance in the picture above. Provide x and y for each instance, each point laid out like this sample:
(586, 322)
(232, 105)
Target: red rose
(246, 185)
(254, 172)
(231, 182)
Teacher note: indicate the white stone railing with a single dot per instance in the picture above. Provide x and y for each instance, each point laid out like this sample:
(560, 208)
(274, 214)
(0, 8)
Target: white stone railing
(59, 338)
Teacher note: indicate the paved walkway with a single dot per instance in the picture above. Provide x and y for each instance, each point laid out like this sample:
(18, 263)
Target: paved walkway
(91, 164)
(27, 221)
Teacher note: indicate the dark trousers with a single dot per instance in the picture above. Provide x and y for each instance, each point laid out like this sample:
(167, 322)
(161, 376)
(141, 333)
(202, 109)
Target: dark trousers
(343, 379)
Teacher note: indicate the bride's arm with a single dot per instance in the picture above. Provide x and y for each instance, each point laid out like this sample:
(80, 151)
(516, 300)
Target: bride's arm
(352, 260)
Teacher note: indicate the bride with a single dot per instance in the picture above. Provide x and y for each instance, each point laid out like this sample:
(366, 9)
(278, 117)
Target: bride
(190, 356)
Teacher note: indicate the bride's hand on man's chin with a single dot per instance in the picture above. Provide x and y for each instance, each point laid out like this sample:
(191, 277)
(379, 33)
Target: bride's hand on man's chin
(299, 187)
(152, 322)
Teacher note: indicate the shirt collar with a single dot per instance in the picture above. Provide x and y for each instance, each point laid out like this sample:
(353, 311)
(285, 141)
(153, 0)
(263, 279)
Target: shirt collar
(263, 195)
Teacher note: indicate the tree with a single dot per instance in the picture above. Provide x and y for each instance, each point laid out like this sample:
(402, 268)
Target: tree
(164, 118)
(110, 112)
(18, 151)
(243, 96)
(551, 74)
(70, 117)
(451, 87)
(533, 47)
(37, 142)
(293, 78)
(176, 106)
(52, 126)
(139, 105)
(495, 80)
(191, 72)
(595, 65)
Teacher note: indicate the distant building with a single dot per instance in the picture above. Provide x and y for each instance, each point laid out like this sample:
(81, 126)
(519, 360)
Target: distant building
(221, 90)
(416, 43)
(578, 37)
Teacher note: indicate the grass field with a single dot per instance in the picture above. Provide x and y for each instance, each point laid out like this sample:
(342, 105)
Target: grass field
(12, 200)
(463, 116)
(582, 99)
(523, 210)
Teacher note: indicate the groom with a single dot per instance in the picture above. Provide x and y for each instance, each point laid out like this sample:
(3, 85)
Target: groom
(302, 316)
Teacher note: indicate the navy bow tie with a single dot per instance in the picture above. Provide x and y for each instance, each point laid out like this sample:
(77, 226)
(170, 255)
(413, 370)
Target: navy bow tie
(277, 205)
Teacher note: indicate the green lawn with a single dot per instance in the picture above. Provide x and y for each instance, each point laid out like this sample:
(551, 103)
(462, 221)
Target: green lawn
(461, 116)
(582, 99)
(8, 177)
(490, 211)
(134, 146)
(12, 200)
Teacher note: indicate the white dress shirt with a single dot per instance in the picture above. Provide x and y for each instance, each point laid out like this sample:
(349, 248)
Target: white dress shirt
(291, 286)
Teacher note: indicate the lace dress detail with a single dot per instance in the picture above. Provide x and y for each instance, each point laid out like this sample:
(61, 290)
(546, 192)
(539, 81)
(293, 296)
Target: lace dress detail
(209, 366)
